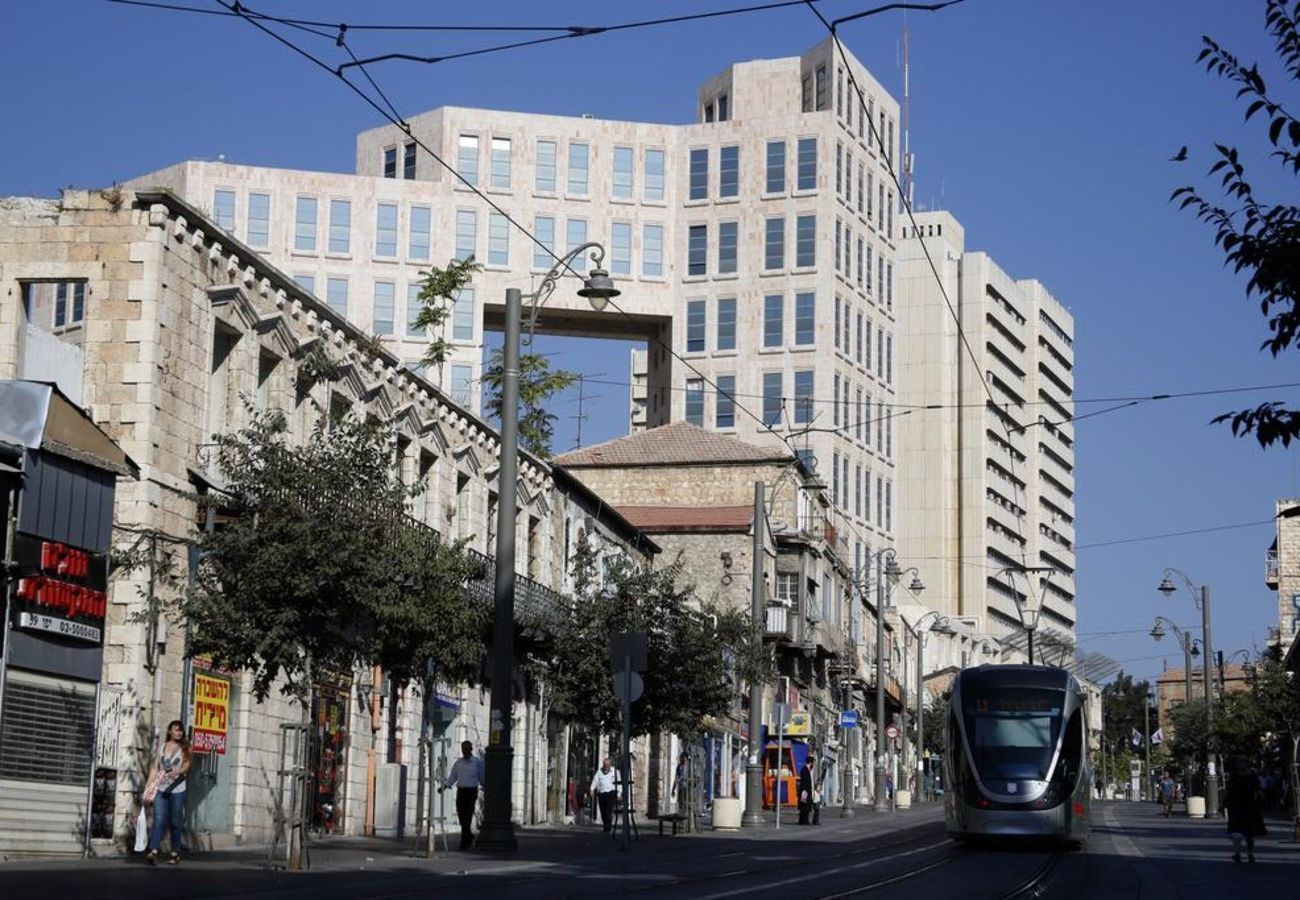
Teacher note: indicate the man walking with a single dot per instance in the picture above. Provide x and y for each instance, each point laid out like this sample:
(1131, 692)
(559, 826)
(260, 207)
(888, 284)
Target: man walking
(806, 788)
(1167, 794)
(604, 785)
(467, 776)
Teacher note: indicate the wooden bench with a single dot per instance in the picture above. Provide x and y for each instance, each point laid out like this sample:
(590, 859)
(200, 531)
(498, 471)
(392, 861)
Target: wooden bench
(674, 819)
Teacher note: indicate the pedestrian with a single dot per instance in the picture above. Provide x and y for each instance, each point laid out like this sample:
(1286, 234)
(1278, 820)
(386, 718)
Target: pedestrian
(806, 788)
(1241, 799)
(604, 784)
(166, 790)
(1167, 793)
(466, 776)
(679, 781)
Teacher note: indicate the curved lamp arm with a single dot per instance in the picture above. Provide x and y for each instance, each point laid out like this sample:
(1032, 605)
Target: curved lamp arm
(1167, 586)
(597, 287)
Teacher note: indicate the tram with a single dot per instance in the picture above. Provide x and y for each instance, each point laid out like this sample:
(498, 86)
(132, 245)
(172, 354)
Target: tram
(1016, 756)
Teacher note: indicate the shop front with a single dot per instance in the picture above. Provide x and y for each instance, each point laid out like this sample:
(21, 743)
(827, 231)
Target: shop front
(328, 754)
(210, 806)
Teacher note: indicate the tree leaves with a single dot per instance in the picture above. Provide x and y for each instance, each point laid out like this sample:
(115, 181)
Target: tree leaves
(537, 384)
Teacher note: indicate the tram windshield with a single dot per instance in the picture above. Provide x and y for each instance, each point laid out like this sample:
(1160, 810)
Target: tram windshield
(1013, 732)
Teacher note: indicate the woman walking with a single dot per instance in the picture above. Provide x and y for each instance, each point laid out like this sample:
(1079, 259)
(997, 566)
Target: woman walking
(167, 782)
(1245, 818)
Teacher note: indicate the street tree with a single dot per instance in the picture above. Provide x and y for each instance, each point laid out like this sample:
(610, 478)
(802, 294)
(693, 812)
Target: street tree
(438, 293)
(1258, 237)
(538, 383)
(1276, 693)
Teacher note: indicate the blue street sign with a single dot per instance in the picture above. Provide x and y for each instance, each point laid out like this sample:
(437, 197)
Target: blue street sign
(849, 718)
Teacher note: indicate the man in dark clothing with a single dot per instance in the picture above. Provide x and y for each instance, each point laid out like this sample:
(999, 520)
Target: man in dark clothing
(1245, 817)
(806, 791)
(467, 776)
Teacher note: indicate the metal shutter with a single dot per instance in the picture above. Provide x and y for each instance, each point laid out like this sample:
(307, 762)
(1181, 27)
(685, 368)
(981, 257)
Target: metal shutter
(47, 729)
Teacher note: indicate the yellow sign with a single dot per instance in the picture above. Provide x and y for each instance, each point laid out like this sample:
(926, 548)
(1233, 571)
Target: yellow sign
(800, 724)
(211, 713)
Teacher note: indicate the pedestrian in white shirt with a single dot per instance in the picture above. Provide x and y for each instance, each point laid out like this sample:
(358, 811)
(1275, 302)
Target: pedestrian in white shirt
(466, 776)
(603, 785)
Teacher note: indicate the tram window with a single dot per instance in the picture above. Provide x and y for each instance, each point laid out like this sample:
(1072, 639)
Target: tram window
(1071, 749)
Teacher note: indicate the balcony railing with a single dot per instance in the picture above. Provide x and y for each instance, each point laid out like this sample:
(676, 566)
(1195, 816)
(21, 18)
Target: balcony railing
(780, 622)
(1270, 569)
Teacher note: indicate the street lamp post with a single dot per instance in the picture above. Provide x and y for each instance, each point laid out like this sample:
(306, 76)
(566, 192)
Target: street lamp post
(498, 832)
(940, 625)
(1202, 599)
(1029, 611)
(1188, 643)
(884, 588)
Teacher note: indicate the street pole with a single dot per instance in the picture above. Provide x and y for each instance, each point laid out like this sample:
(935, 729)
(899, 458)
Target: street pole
(881, 803)
(757, 602)
(1030, 632)
(920, 713)
(1211, 775)
(905, 752)
(1146, 739)
(498, 831)
(846, 771)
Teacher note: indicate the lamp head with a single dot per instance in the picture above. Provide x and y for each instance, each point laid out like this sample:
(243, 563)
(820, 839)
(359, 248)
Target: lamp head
(917, 585)
(599, 289)
(892, 569)
(1166, 586)
(1157, 632)
(1196, 650)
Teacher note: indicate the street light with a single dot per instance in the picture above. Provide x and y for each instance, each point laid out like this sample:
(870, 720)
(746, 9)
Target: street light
(498, 832)
(1201, 596)
(1032, 608)
(940, 625)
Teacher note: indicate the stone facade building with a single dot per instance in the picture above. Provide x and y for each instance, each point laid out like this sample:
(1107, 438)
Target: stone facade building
(1282, 574)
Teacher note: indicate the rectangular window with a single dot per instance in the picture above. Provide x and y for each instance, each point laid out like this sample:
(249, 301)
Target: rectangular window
(889, 500)
(695, 401)
(336, 295)
(69, 304)
(652, 251)
(838, 304)
(772, 398)
(848, 179)
(223, 209)
(259, 220)
(306, 282)
(621, 248)
(861, 174)
(857, 490)
(390, 162)
(724, 108)
(729, 171)
(860, 414)
(773, 327)
(466, 233)
(835, 479)
(839, 240)
(544, 248)
(775, 167)
(858, 340)
(727, 323)
(623, 164)
(654, 174)
(880, 353)
(835, 401)
(699, 171)
(861, 244)
(304, 224)
(413, 307)
(803, 396)
(697, 250)
(889, 217)
(865, 416)
(420, 228)
(460, 376)
(576, 234)
(839, 91)
(695, 326)
(340, 226)
(889, 359)
(839, 168)
(546, 157)
(728, 236)
(467, 159)
(805, 237)
(889, 285)
(774, 244)
(880, 272)
(870, 193)
(386, 229)
(579, 162)
(498, 240)
(820, 87)
(870, 254)
(805, 94)
(807, 174)
(462, 315)
(408, 161)
(724, 407)
(804, 319)
(880, 417)
(385, 301)
(500, 163)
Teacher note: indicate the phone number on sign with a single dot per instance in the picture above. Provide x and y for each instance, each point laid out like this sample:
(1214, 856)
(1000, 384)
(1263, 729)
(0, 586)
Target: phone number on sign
(59, 626)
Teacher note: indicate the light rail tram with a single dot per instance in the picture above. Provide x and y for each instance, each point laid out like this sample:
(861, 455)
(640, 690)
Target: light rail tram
(1016, 755)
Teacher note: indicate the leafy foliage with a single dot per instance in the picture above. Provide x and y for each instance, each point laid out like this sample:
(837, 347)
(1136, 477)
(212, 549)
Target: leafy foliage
(1122, 710)
(319, 567)
(437, 293)
(1257, 237)
(537, 384)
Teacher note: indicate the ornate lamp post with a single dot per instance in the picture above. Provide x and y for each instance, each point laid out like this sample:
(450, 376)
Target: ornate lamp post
(940, 625)
(1201, 595)
(498, 831)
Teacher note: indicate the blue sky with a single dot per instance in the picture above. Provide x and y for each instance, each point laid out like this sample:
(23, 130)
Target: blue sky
(1044, 126)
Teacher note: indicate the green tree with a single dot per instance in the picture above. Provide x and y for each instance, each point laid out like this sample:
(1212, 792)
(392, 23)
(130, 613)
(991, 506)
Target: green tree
(1189, 740)
(319, 567)
(537, 384)
(1276, 693)
(438, 292)
(1125, 709)
(1257, 237)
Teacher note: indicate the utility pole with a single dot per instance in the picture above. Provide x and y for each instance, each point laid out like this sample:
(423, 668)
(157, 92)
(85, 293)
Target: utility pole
(1146, 737)
(1211, 773)
(758, 612)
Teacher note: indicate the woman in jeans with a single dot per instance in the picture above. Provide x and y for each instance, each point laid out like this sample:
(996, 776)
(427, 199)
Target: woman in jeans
(170, 768)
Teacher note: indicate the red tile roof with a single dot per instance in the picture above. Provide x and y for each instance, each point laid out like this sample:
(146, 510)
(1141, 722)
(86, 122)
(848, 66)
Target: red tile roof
(677, 443)
(689, 518)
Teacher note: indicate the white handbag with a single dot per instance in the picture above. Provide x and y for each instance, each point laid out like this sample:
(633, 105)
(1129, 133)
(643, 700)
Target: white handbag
(141, 832)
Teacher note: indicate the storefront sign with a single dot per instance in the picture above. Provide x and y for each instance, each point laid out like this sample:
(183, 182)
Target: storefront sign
(64, 594)
(76, 630)
(800, 723)
(211, 712)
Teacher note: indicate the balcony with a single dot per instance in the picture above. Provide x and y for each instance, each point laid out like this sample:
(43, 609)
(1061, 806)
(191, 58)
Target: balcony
(1270, 569)
(534, 601)
(780, 622)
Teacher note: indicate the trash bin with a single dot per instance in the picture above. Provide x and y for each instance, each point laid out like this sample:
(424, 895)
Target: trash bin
(903, 799)
(726, 813)
(1196, 807)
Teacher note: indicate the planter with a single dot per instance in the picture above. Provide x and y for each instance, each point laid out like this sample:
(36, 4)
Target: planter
(903, 799)
(1196, 807)
(726, 813)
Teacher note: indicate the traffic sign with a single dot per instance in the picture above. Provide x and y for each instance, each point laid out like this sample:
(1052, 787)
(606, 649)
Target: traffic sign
(621, 682)
(849, 718)
(781, 713)
(892, 732)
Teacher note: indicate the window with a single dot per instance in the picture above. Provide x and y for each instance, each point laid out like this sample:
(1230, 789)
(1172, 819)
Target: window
(889, 285)
(340, 226)
(839, 240)
(848, 179)
(498, 240)
(385, 301)
(860, 252)
(880, 352)
(223, 209)
(727, 239)
(857, 489)
(466, 233)
(870, 192)
(413, 307)
(775, 167)
(623, 164)
(839, 168)
(724, 110)
(304, 224)
(708, 112)
(724, 407)
(870, 254)
(838, 304)
(729, 171)
(861, 174)
(858, 340)
(419, 244)
(579, 160)
(819, 87)
(805, 237)
(804, 322)
(695, 326)
(807, 165)
(336, 295)
(621, 248)
(386, 229)
(390, 162)
(835, 401)
(462, 315)
(803, 396)
(460, 376)
(544, 249)
(695, 401)
(576, 232)
(889, 359)
(408, 161)
(652, 251)
(805, 94)
(773, 310)
(865, 416)
(771, 398)
(306, 282)
(835, 479)
(499, 160)
(727, 323)
(697, 247)
(860, 414)
(69, 305)
(774, 243)
(699, 172)
(546, 156)
(654, 174)
(467, 159)
(259, 220)
(889, 498)
(839, 91)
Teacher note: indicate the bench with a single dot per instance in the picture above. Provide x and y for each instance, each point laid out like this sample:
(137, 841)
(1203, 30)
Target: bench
(674, 819)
